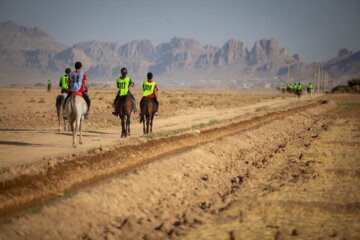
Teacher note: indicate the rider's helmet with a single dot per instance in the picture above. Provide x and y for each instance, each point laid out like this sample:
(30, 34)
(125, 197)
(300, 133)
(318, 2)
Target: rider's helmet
(149, 76)
(67, 70)
(123, 71)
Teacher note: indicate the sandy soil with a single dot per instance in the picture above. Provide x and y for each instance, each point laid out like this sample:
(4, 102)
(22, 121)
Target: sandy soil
(282, 170)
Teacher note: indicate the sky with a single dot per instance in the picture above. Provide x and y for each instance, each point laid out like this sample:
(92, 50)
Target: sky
(315, 29)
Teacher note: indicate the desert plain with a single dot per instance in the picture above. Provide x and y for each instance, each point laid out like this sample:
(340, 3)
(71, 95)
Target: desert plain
(220, 164)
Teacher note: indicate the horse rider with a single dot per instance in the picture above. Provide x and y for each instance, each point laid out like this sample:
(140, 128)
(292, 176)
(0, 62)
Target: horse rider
(150, 88)
(309, 87)
(49, 85)
(123, 83)
(78, 86)
(64, 81)
(299, 87)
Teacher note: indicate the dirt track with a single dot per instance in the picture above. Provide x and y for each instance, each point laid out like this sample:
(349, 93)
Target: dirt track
(169, 197)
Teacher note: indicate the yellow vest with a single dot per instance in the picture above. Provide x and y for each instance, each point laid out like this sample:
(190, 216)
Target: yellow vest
(123, 85)
(149, 88)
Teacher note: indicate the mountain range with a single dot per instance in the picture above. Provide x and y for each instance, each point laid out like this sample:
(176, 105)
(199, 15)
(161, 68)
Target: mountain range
(30, 55)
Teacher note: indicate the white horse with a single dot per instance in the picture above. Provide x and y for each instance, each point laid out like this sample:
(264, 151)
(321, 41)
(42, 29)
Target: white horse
(60, 99)
(75, 109)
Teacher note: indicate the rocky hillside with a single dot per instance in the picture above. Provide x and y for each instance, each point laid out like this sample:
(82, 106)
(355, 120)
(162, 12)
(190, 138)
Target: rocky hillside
(30, 55)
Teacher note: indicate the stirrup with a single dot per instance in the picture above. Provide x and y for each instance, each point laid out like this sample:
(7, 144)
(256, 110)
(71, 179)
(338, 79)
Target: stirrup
(115, 114)
(86, 116)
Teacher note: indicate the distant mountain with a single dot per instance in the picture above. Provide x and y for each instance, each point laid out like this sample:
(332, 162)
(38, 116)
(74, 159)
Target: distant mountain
(18, 37)
(30, 55)
(346, 64)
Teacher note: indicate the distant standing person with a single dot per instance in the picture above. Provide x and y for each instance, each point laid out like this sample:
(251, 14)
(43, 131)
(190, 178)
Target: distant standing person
(123, 83)
(64, 81)
(49, 85)
(78, 85)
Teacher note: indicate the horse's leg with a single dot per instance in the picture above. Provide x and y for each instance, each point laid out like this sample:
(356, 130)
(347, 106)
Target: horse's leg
(80, 129)
(64, 124)
(144, 126)
(73, 127)
(77, 126)
(123, 126)
(147, 123)
(128, 124)
(152, 118)
(59, 111)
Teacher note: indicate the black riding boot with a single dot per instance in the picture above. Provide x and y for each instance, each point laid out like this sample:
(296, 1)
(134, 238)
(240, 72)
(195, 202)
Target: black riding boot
(157, 103)
(87, 100)
(116, 111)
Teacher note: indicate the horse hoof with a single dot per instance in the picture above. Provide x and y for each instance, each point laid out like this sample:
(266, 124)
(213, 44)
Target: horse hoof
(74, 146)
(80, 142)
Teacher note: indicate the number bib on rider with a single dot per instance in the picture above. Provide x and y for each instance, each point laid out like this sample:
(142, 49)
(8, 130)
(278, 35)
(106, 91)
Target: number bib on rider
(148, 88)
(76, 81)
(123, 85)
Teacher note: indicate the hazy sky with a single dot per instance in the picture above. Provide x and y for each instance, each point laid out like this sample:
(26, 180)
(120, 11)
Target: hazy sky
(315, 29)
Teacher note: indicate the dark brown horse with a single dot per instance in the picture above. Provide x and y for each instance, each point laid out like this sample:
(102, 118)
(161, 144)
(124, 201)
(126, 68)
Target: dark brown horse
(125, 106)
(148, 111)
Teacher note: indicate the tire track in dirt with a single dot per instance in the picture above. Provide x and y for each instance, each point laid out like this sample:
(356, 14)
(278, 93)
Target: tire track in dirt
(24, 191)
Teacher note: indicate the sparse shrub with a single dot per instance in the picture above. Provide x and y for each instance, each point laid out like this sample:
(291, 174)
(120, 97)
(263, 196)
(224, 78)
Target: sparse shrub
(174, 101)
(42, 100)
(354, 82)
(348, 106)
(91, 151)
(32, 100)
(101, 98)
(114, 122)
(264, 108)
(212, 122)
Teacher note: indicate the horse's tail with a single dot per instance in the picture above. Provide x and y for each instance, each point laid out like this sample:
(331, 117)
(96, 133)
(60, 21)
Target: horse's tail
(72, 104)
(59, 101)
(144, 110)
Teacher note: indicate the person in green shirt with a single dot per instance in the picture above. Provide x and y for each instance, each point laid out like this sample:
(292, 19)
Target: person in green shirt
(64, 81)
(309, 88)
(150, 89)
(49, 85)
(123, 83)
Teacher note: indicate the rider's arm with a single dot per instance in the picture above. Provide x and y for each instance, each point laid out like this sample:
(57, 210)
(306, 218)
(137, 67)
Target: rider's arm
(156, 90)
(85, 85)
(131, 83)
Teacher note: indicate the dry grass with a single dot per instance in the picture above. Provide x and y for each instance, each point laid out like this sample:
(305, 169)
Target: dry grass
(39, 110)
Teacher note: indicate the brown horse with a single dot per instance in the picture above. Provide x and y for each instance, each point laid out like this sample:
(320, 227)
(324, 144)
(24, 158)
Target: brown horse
(125, 105)
(148, 111)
